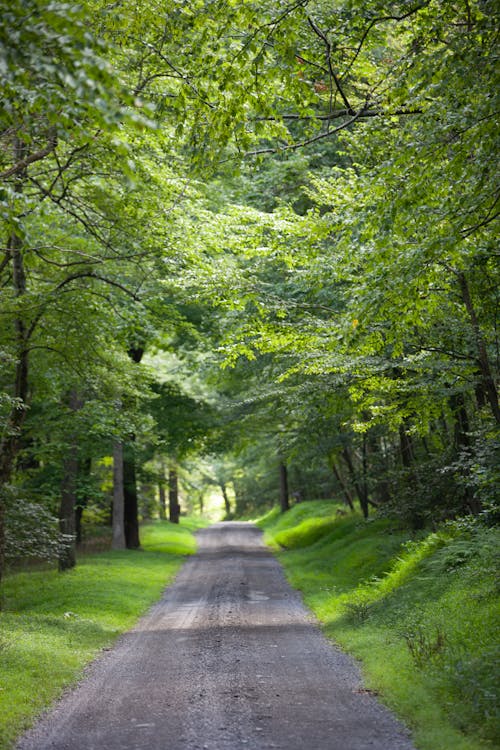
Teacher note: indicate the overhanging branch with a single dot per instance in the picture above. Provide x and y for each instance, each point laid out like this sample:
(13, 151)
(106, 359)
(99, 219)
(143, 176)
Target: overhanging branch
(37, 156)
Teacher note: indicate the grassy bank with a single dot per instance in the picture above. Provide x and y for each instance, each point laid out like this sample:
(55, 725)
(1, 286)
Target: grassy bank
(52, 624)
(421, 613)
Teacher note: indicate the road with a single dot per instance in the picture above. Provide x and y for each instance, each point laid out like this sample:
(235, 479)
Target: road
(229, 659)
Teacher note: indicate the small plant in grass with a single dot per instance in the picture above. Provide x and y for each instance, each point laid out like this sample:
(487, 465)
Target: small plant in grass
(425, 646)
(359, 611)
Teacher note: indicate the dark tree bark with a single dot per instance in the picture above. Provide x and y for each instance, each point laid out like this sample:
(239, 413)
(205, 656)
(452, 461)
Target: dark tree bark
(173, 496)
(84, 470)
(461, 421)
(131, 504)
(67, 526)
(487, 382)
(345, 490)
(360, 488)
(130, 509)
(284, 495)
(381, 489)
(227, 504)
(162, 498)
(78, 524)
(67, 553)
(119, 541)
(406, 447)
(10, 444)
(462, 443)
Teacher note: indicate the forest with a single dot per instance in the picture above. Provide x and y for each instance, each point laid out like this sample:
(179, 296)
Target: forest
(249, 260)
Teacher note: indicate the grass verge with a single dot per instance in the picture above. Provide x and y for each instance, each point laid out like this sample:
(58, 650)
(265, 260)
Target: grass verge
(52, 624)
(421, 614)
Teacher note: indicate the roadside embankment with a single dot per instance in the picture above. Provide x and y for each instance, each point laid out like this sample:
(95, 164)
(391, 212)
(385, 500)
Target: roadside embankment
(419, 611)
(52, 624)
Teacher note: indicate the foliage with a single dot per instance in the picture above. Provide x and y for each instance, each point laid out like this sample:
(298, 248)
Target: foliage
(32, 531)
(297, 204)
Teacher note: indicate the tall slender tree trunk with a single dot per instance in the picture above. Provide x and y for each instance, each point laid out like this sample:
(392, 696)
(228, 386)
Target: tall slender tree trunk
(345, 490)
(84, 469)
(67, 549)
(227, 504)
(408, 461)
(162, 499)
(67, 524)
(131, 510)
(406, 447)
(161, 492)
(119, 541)
(461, 421)
(10, 443)
(131, 504)
(381, 489)
(487, 380)
(462, 444)
(173, 495)
(360, 488)
(284, 494)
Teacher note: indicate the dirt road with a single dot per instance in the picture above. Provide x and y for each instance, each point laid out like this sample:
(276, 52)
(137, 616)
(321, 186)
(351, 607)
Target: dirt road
(229, 659)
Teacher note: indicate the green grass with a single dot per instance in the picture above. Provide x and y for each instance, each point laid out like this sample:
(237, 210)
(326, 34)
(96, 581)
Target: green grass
(52, 624)
(421, 615)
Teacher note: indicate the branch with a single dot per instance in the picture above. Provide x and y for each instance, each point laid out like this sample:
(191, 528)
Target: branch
(181, 76)
(376, 21)
(328, 47)
(308, 141)
(37, 156)
(490, 216)
(71, 278)
(92, 275)
(276, 21)
(363, 113)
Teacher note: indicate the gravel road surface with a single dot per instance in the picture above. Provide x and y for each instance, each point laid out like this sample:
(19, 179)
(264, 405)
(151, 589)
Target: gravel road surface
(229, 659)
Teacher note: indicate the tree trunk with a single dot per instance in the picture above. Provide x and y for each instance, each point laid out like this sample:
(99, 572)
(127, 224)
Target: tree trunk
(119, 541)
(67, 550)
(461, 421)
(284, 496)
(78, 524)
(162, 499)
(487, 380)
(462, 444)
(173, 496)
(130, 512)
(131, 504)
(343, 486)
(227, 504)
(381, 490)
(67, 553)
(84, 470)
(360, 489)
(9, 445)
(406, 446)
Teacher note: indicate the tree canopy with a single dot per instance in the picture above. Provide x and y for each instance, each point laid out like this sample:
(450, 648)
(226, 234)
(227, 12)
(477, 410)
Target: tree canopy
(298, 203)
